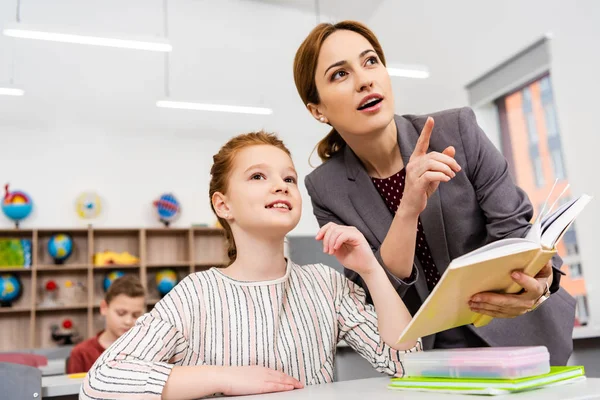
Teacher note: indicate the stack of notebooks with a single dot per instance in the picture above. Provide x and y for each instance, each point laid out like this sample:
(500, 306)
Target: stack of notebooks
(483, 371)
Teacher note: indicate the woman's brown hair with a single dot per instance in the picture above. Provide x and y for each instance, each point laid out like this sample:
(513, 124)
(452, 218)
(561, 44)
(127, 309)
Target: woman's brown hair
(305, 66)
(221, 170)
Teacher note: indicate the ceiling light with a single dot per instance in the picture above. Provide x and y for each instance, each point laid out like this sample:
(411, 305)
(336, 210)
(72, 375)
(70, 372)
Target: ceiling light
(11, 91)
(25, 32)
(409, 72)
(214, 107)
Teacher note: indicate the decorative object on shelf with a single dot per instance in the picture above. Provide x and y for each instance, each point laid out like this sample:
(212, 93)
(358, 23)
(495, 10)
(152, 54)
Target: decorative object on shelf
(166, 279)
(75, 292)
(112, 258)
(50, 294)
(167, 208)
(15, 253)
(66, 334)
(111, 277)
(88, 205)
(16, 205)
(60, 247)
(10, 289)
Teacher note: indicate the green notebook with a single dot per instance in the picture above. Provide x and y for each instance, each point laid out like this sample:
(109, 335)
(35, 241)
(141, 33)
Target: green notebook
(556, 376)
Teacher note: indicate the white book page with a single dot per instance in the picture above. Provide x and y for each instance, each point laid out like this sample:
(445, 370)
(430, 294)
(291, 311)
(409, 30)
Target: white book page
(554, 232)
(499, 248)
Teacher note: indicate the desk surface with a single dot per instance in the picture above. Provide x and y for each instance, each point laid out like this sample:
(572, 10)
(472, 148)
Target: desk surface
(54, 367)
(376, 388)
(360, 389)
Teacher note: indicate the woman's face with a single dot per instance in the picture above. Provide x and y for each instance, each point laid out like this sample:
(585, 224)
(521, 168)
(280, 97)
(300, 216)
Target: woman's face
(354, 86)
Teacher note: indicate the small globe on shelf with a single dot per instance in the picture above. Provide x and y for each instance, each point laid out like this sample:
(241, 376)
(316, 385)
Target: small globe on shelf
(167, 208)
(88, 205)
(111, 277)
(16, 205)
(60, 247)
(11, 289)
(166, 279)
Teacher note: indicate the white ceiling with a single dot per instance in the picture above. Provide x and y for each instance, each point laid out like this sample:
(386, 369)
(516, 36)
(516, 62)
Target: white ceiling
(241, 52)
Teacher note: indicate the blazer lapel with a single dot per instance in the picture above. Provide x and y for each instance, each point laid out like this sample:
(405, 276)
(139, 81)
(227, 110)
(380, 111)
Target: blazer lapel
(365, 198)
(432, 217)
(374, 212)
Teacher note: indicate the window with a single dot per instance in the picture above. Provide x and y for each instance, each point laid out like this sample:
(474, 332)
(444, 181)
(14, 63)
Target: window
(538, 172)
(531, 143)
(575, 271)
(581, 312)
(557, 164)
(529, 117)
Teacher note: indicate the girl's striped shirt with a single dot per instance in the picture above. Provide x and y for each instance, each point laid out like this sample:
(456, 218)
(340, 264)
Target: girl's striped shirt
(291, 324)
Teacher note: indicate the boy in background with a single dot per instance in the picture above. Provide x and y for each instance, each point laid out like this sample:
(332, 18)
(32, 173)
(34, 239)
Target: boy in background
(123, 304)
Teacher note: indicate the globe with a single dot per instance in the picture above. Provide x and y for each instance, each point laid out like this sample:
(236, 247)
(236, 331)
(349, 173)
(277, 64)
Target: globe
(88, 205)
(10, 289)
(167, 208)
(16, 205)
(166, 279)
(111, 277)
(60, 247)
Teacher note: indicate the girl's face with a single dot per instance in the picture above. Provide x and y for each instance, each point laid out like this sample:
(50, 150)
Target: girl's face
(354, 87)
(262, 196)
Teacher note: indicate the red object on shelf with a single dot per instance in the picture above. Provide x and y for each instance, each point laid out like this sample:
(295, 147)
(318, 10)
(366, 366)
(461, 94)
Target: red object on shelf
(67, 324)
(51, 286)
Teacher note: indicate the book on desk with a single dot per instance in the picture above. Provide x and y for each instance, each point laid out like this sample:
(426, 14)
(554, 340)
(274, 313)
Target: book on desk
(556, 376)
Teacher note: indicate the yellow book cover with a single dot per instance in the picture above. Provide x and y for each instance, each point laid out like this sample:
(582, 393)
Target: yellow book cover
(488, 269)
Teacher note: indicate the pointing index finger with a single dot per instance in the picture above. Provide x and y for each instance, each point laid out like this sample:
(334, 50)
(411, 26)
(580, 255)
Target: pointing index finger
(423, 142)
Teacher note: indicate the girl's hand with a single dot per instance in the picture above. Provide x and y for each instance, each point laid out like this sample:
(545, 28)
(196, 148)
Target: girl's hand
(349, 246)
(256, 380)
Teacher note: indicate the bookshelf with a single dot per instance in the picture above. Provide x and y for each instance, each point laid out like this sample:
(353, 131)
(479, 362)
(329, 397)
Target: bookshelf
(27, 322)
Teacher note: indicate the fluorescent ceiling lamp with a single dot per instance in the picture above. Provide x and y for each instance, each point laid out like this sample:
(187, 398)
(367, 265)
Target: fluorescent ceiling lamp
(409, 72)
(214, 107)
(25, 32)
(11, 91)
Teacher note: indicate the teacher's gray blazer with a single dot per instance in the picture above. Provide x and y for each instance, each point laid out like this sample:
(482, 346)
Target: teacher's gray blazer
(480, 205)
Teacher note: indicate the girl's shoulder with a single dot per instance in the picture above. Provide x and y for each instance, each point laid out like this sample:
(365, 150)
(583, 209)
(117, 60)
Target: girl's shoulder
(318, 270)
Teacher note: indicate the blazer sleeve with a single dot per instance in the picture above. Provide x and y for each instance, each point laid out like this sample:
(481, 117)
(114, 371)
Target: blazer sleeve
(506, 206)
(324, 216)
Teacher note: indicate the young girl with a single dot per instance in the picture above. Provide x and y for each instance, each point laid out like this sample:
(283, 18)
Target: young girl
(263, 324)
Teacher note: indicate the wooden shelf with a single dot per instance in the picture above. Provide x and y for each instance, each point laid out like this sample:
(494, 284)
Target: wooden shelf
(209, 264)
(14, 269)
(16, 232)
(70, 307)
(64, 267)
(175, 264)
(167, 231)
(10, 310)
(184, 249)
(115, 266)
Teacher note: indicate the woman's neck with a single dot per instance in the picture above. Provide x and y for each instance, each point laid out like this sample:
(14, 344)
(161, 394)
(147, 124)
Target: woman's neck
(258, 259)
(378, 151)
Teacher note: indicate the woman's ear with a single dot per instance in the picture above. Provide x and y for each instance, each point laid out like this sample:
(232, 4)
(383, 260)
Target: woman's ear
(314, 110)
(219, 202)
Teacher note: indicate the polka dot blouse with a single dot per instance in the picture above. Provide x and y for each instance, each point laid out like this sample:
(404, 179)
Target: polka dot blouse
(391, 190)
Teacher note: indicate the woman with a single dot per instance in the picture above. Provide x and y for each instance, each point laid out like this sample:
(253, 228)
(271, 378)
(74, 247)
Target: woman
(371, 155)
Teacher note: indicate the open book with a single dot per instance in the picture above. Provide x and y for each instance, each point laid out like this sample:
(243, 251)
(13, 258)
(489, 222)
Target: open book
(488, 269)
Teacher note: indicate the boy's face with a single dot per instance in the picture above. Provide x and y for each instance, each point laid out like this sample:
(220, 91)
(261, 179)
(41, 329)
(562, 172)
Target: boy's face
(122, 312)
